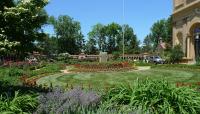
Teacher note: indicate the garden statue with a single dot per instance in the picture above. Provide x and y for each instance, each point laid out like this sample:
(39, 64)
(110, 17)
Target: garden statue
(103, 57)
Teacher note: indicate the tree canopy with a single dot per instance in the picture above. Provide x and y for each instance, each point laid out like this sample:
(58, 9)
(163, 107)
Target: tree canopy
(68, 33)
(109, 38)
(21, 21)
(161, 30)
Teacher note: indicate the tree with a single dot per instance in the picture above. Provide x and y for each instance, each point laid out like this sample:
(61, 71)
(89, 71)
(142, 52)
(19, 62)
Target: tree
(169, 31)
(90, 47)
(68, 32)
(21, 22)
(147, 44)
(161, 29)
(48, 46)
(109, 38)
(98, 34)
(6, 46)
(112, 32)
(130, 41)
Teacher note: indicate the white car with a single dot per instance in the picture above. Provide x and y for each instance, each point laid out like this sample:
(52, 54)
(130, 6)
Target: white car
(32, 59)
(156, 59)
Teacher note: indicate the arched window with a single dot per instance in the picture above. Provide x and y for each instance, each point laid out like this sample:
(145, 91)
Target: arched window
(197, 41)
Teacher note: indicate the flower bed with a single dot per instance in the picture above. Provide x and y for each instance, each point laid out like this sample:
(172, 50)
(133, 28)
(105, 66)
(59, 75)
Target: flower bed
(19, 64)
(184, 84)
(103, 67)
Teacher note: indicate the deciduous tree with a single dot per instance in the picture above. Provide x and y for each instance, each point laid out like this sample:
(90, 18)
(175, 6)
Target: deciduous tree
(21, 22)
(161, 29)
(68, 32)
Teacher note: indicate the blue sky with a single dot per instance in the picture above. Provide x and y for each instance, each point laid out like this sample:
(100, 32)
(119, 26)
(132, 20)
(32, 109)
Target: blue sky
(139, 14)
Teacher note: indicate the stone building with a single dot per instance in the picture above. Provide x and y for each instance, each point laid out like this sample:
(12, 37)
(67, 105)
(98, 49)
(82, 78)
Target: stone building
(186, 28)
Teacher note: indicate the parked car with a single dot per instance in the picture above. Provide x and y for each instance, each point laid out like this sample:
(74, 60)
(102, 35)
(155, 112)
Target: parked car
(156, 60)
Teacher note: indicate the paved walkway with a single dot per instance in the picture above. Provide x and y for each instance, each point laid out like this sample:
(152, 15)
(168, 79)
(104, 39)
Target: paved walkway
(141, 68)
(65, 71)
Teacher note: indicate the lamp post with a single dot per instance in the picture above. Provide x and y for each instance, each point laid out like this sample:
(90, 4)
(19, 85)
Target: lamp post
(197, 40)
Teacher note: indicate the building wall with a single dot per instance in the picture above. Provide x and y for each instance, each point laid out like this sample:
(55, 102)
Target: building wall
(186, 15)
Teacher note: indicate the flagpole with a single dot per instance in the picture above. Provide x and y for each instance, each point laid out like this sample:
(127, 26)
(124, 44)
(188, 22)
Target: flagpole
(123, 26)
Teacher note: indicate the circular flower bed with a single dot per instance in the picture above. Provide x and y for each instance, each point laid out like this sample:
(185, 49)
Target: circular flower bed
(123, 66)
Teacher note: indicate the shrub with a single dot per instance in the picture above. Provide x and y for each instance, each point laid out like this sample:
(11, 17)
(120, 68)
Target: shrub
(72, 61)
(198, 61)
(155, 97)
(15, 72)
(73, 101)
(176, 54)
(17, 105)
(116, 55)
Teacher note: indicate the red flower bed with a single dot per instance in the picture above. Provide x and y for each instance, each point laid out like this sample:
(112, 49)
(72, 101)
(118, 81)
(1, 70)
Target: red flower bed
(19, 64)
(103, 67)
(182, 84)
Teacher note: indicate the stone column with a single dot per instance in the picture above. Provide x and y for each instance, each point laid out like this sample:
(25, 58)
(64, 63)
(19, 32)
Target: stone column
(188, 47)
(185, 38)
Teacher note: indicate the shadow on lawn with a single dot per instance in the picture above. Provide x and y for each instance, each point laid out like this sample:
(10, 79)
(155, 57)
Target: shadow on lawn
(9, 90)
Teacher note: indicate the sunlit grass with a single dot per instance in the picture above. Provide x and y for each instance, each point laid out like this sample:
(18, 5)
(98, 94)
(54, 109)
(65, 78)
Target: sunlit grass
(108, 79)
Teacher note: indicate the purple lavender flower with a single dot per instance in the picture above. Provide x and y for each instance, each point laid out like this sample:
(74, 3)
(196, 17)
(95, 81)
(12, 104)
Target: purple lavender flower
(59, 102)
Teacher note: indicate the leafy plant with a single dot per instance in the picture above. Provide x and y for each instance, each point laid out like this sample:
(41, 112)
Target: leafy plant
(15, 72)
(116, 55)
(176, 54)
(198, 61)
(154, 96)
(20, 104)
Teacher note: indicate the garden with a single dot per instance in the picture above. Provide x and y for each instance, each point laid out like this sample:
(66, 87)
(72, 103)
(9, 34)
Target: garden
(59, 73)
(99, 88)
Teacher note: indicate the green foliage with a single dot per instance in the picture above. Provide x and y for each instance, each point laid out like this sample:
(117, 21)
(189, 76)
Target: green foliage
(161, 29)
(62, 57)
(147, 44)
(131, 43)
(97, 36)
(20, 104)
(109, 38)
(154, 96)
(6, 46)
(49, 46)
(90, 46)
(7, 76)
(72, 61)
(113, 31)
(15, 72)
(178, 67)
(22, 21)
(198, 61)
(48, 69)
(142, 63)
(176, 54)
(116, 55)
(68, 31)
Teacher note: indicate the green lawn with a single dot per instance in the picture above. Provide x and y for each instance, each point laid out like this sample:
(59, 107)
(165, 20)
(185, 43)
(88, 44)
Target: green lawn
(101, 80)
